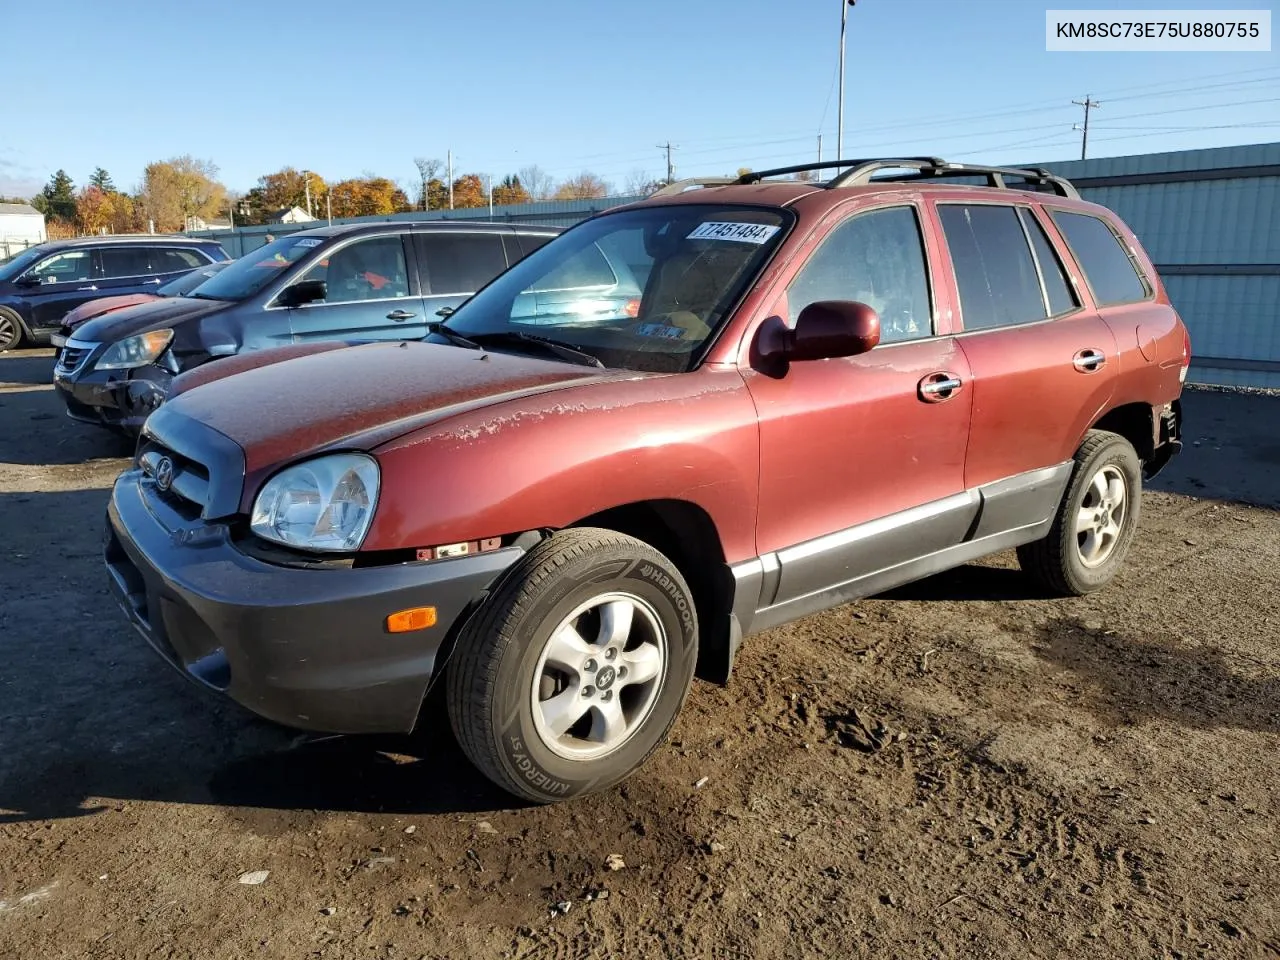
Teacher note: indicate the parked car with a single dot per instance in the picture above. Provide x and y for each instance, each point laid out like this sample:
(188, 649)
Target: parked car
(383, 281)
(828, 390)
(180, 287)
(40, 285)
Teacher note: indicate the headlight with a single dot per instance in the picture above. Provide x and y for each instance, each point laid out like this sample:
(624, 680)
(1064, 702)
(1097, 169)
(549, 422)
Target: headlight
(135, 351)
(322, 504)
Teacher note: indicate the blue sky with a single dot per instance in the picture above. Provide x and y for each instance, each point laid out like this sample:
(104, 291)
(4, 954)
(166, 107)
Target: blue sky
(347, 88)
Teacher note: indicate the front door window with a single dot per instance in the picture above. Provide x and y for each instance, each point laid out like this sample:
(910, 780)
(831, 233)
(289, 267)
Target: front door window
(370, 269)
(71, 266)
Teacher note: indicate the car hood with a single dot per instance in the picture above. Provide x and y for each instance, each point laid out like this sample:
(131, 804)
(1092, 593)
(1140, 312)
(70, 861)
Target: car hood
(96, 308)
(359, 397)
(156, 314)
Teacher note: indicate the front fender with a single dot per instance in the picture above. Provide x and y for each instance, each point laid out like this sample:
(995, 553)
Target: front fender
(550, 460)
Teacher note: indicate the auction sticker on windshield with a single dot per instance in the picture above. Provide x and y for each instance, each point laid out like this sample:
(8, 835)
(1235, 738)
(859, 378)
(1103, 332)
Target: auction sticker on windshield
(741, 232)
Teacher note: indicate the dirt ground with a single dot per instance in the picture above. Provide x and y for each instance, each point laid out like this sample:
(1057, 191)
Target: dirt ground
(962, 769)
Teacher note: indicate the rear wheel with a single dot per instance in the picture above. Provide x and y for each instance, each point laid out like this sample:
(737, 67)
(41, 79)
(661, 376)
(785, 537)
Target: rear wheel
(1096, 520)
(575, 668)
(10, 330)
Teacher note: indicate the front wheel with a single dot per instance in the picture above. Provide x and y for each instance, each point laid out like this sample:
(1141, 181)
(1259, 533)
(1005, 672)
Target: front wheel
(1096, 520)
(10, 330)
(574, 670)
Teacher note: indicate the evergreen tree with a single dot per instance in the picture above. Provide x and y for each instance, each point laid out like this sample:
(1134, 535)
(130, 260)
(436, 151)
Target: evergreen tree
(102, 180)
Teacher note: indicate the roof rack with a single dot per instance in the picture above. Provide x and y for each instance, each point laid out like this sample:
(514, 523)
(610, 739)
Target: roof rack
(755, 176)
(862, 172)
(930, 168)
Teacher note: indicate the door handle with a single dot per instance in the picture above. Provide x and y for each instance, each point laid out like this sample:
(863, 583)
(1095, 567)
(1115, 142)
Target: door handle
(87, 288)
(939, 386)
(400, 315)
(1089, 360)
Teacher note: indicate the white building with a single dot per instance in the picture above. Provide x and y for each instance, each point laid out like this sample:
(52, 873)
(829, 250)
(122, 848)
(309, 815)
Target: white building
(290, 215)
(21, 225)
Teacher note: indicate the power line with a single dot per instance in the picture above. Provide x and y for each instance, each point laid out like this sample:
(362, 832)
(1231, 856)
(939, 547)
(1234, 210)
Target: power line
(671, 170)
(619, 159)
(1087, 103)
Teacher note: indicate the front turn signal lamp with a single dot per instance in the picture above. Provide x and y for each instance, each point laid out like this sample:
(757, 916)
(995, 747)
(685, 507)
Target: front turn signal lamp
(415, 618)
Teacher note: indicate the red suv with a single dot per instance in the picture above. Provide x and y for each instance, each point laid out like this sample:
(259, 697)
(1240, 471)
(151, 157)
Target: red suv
(561, 508)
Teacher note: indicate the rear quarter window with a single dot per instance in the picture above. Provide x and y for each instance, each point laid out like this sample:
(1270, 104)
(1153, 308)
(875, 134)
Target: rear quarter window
(1105, 259)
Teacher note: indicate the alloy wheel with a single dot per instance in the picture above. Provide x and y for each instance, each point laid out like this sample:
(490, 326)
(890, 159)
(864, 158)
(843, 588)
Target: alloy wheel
(599, 676)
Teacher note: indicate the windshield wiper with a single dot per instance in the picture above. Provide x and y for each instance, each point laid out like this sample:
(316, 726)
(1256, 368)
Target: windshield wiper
(453, 336)
(559, 348)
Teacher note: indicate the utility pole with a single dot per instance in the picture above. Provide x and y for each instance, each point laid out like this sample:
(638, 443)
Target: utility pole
(671, 170)
(328, 206)
(491, 196)
(450, 179)
(819, 148)
(306, 179)
(1088, 104)
(844, 20)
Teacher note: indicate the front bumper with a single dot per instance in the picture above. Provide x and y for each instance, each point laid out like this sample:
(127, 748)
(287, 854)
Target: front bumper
(116, 399)
(305, 648)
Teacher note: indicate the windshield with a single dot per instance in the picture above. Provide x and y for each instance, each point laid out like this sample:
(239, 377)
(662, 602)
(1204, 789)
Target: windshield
(641, 289)
(14, 265)
(190, 281)
(244, 277)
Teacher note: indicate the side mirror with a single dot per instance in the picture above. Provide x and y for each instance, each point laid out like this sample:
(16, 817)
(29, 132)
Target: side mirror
(29, 280)
(824, 330)
(302, 293)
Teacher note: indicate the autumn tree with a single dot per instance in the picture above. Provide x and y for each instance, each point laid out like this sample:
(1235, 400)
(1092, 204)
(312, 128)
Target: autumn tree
(437, 195)
(282, 190)
(102, 180)
(510, 191)
(174, 190)
(93, 209)
(57, 200)
(469, 191)
(584, 186)
(537, 181)
(126, 214)
(368, 197)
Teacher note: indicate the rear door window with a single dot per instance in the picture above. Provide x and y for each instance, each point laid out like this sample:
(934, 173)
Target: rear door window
(532, 241)
(1056, 288)
(1106, 261)
(119, 262)
(175, 259)
(995, 272)
(461, 262)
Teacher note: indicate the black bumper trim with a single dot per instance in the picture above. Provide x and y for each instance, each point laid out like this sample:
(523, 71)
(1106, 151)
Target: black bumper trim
(304, 648)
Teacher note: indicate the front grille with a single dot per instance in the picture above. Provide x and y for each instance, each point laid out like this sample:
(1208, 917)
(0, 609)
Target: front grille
(73, 356)
(182, 481)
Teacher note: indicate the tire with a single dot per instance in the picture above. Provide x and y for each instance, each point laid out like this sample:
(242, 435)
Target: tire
(1081, 552)
(518, 677)
(11, 330)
